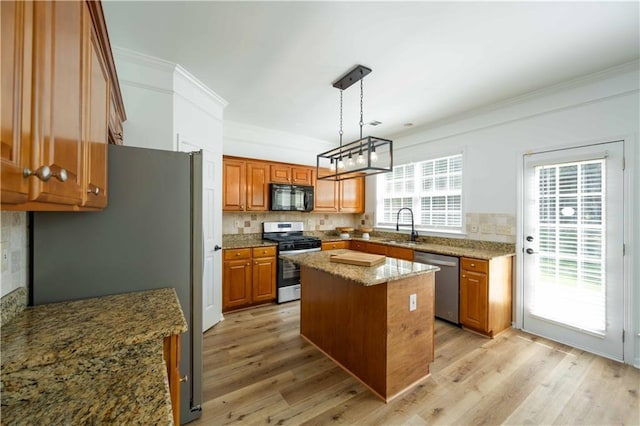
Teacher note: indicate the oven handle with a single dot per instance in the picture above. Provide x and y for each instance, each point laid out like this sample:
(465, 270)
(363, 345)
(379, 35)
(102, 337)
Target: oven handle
(300, 251)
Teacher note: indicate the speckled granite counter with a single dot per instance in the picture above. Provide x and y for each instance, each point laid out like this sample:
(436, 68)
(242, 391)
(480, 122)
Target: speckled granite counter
(235, 241)
(90, 361)
(391, 270)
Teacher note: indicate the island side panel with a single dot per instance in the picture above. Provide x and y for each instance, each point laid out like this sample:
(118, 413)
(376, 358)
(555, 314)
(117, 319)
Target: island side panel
(347, 321)
(411, 333)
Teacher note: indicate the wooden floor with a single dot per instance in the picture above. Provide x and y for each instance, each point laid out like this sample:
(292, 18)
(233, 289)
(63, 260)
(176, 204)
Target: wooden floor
(257, 370)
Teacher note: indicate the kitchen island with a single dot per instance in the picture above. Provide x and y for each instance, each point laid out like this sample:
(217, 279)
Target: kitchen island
(361, 318)
(93, 361)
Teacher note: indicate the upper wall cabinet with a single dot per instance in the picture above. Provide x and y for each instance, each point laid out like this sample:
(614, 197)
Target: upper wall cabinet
(345, 196)
(295, 175)
(245, 185)
(55, 121)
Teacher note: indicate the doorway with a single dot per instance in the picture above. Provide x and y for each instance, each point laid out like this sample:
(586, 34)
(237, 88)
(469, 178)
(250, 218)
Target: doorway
(573, 265)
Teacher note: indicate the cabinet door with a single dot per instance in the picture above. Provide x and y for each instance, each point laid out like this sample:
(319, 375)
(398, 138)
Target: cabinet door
(280, 173)
(57, 100)
(400, 253)
(15, 74)
(234, 185)
(301, 175)
(474, 300)
(257, 186)
(236, 283)
(376, 248)
(172, 361)
(358, 245)
(352, 195)
(97, 97)
(326, 196)
(264, 279)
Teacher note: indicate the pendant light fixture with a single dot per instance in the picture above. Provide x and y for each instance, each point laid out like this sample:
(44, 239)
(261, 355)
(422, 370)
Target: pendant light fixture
(368, 155)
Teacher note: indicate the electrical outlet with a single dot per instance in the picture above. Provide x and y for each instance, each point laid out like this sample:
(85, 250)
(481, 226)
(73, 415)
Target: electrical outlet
(413, 302)
(237, 224)
(474, 228)
(5, 259)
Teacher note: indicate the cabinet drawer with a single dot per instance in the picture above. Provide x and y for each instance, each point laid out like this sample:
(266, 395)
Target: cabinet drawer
(333, 245)
(358, 245)
(475, 265)
(400, 253)
(231, 254)
(264, 251)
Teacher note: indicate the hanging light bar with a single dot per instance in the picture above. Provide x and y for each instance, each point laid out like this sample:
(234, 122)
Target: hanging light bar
(373, 155)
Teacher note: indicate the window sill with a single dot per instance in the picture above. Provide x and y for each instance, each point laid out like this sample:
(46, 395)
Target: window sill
(422, 232)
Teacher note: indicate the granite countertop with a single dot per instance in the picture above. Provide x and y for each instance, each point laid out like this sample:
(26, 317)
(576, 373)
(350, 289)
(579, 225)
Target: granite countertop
(96, 360)
(392, 270)
(486, 250)
(483, 250)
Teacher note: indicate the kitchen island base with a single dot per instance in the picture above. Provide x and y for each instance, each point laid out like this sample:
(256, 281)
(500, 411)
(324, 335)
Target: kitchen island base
(369, 330)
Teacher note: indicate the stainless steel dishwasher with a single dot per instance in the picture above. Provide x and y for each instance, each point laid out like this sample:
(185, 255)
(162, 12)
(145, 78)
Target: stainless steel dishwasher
(447, 283)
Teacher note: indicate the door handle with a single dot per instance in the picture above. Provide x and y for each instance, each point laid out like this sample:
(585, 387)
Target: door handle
(529, 238)
(530, 251)
(217, 247)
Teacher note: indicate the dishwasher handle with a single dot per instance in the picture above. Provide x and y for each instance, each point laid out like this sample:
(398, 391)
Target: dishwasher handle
(438, 262)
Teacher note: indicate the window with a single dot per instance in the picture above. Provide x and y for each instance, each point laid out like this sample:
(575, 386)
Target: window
(432, 189)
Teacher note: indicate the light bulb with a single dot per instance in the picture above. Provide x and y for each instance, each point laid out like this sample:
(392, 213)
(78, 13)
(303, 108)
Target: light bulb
(340, 164)
(350, 162)
(373, 156)
(360, 159)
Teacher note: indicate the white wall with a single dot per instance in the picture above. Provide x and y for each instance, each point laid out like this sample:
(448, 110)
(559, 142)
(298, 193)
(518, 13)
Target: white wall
(245, 140)
(601, 107)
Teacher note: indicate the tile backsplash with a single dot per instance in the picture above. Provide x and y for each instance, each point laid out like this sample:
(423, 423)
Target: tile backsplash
(251, 223)
(500, 227)
(13, 251)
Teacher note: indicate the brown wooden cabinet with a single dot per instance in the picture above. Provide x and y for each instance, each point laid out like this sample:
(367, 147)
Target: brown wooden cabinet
(295, 175)
(97, 104)
(55, 120)
(249, 277)
(334, 245)
(485, 294)
(246, 185)
(345, 196)
(264, 274)
(384, 249)
(351, 195)
(172, 361)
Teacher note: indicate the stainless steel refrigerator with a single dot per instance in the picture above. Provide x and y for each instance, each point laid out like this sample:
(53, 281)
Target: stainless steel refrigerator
(149, 236)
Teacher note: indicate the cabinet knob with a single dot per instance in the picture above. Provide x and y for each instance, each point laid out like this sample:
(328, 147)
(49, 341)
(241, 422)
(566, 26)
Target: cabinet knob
(255, 263)
(43, 173)
(93, 190)
(464, 276)
(248, 264)
(184, 379)
(237, 254)
(60, 174)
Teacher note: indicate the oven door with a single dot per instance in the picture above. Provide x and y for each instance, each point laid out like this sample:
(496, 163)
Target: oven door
(288, 281)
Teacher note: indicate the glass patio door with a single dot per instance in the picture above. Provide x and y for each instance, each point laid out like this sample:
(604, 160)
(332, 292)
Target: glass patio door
(573, 260)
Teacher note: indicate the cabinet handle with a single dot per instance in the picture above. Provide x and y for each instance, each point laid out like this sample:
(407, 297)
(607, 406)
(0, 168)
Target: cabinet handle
(93, 190)
(184, 379)
(464, 276)
(255, 263)
(473, 265)
(61, 174)
(43, 173)
(238, 254)
(248, 263)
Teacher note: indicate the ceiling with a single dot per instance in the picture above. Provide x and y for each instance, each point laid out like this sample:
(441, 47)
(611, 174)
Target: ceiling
(274, 62)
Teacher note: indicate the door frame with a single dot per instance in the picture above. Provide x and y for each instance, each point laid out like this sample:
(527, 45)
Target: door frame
(631, 293)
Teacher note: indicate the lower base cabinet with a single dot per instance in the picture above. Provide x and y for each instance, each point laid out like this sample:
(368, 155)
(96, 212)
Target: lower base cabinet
(383, 249)
(172, 359)
(486, 294)
(248, 277)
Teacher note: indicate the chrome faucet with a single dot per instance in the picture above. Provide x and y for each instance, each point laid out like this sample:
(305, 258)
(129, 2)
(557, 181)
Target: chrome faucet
(414, 234)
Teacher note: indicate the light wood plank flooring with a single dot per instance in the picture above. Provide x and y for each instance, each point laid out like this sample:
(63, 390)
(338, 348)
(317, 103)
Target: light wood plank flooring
(257, 370)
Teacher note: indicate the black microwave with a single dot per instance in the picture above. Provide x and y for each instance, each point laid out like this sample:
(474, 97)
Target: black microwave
(291, 197)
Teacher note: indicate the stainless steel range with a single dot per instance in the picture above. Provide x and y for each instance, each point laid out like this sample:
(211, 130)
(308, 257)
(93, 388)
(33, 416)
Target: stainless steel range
(290, 239)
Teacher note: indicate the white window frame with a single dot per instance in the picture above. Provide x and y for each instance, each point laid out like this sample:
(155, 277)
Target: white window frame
(416, 199)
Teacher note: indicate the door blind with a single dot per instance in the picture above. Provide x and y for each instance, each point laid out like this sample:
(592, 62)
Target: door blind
(571, 283)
